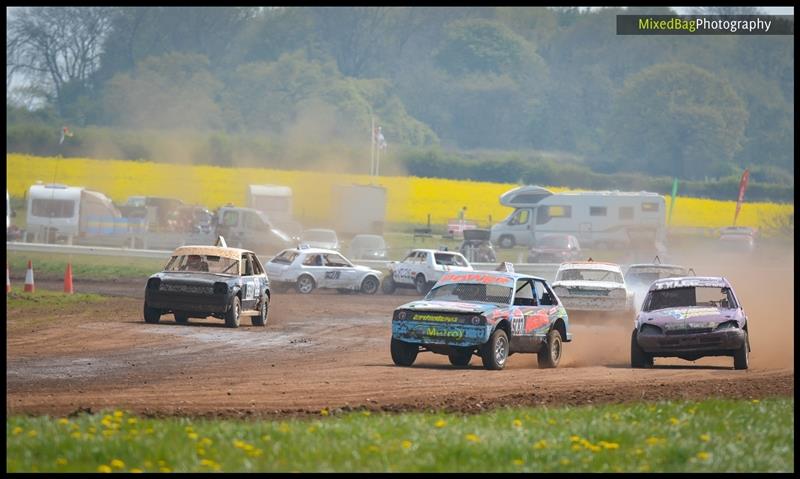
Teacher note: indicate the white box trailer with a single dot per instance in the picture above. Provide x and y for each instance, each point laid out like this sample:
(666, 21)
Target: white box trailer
(596, 218)
(359, 209)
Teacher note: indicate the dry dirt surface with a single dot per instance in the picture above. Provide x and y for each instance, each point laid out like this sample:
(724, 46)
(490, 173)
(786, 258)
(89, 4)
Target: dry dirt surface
(330, 350)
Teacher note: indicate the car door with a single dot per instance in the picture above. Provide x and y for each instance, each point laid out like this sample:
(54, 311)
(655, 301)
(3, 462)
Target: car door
(520, 226)
(314, 265)
(404, 270)
(338, 272)
(250, 284)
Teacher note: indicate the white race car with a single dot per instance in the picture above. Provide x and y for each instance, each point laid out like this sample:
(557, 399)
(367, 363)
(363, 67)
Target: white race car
(310, 268)
(422, 268)
(592, 286)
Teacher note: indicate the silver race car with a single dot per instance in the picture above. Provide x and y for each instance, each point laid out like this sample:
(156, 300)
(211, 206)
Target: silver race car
(309, 268)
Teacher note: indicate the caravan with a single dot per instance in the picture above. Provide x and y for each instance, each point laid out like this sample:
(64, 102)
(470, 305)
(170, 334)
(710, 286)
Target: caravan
(596, 218)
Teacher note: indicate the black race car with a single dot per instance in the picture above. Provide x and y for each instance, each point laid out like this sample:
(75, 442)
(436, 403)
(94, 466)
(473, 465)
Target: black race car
(201, 281)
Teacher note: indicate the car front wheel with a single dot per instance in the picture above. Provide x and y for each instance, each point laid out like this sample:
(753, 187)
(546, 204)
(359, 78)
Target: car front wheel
(403, 353)
(369, 285)
(151, 315)
(388, 285)
(421, 284)
(741, 357)
(233, 314)
(639, 358)
(495, 351)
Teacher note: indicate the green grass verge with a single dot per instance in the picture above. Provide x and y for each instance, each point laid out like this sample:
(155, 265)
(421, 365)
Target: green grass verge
(711, 435)
(48, 299)
(53, 266)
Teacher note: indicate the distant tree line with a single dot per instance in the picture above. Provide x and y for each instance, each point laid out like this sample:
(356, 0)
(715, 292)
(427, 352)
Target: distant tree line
(460, 80)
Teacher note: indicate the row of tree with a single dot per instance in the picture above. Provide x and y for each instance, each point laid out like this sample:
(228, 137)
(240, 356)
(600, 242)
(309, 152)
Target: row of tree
(555, 79)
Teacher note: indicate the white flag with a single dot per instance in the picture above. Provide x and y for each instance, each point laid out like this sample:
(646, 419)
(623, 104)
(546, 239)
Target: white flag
(381, 140)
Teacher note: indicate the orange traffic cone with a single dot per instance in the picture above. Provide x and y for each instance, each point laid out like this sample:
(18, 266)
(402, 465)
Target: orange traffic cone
(68, 280)
(8, 278)
(29, 287)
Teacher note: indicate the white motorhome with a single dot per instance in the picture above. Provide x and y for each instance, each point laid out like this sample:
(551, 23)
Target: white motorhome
(59, 212)
(596, 218)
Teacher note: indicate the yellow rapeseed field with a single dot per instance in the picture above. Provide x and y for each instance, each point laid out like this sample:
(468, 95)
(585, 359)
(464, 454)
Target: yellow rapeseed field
(409, 199)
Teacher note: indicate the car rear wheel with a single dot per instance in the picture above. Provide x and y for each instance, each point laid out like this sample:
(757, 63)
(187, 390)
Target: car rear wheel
(388, 285)
(305, 284)
(403, 353)
(639, 358)
(181, 318)
(495, 351)
(233, 314)
(369, 285)
(550, 355)
(151, 315)
(261, 318)
(741, 357)
(460, 357)
(421, 284)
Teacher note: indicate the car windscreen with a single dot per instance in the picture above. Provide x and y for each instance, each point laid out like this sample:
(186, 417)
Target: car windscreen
(649, 276)
(589, 275)
(553, 242)
(286, 257)
(471, 293)
(201, 263)
(446, 259)
(689, 296)
(328, 236)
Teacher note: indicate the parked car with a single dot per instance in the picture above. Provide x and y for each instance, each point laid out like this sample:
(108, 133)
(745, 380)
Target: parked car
(320, 238)
(367, 247)
(309, 268)
(639, 277)
(477, 246)
(593, 286)
(202, 281)
(489, 314)
(690, 318)
(555, 248)
(422, 268)
(737, 239)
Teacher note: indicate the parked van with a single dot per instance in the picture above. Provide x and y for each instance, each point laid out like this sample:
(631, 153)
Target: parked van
(596, 218)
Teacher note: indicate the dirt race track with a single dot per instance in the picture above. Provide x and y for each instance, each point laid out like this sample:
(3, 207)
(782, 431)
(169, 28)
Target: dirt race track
(328, 350)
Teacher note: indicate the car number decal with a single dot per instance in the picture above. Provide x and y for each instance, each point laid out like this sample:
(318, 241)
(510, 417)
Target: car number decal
(332, 274)
(249, 290)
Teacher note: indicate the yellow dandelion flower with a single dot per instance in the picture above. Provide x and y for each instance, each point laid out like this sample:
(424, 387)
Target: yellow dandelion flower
(193, 436)
(117, 464)
(756, 401)
(63, 421)
(109, 432)
(118, 413)
(324, 412)
(611, 445)
(564, 462)
(366, 413)
(201, 451)
(406, 444)
(311, 429)
(103, 468)
(576, 447)
(76, 435)
(135, 470)
(248, 447)
(518, 462)
(703, 456)
(61, 461)
(440, 423)
(705, 437)
(540, 444)
(674, 421)
(131, 420)
(517, 423)
(207, 442)
(652, 441)
(32, 433)
(284, 427)
(206, 462)
(238, 443)
(472, 438)
(165, 469)
(574, 438)
(692, 410)
(551, 421)
(594, 448)
(255, 453)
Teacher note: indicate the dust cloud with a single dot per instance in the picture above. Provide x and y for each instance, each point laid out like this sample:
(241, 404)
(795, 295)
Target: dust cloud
(764, 284)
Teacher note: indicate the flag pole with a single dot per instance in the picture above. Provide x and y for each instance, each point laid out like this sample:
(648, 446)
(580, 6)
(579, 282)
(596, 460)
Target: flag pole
(378, 161)
(372, 147)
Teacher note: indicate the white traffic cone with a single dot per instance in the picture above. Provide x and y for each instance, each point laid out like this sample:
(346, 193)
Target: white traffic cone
(29, 286)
